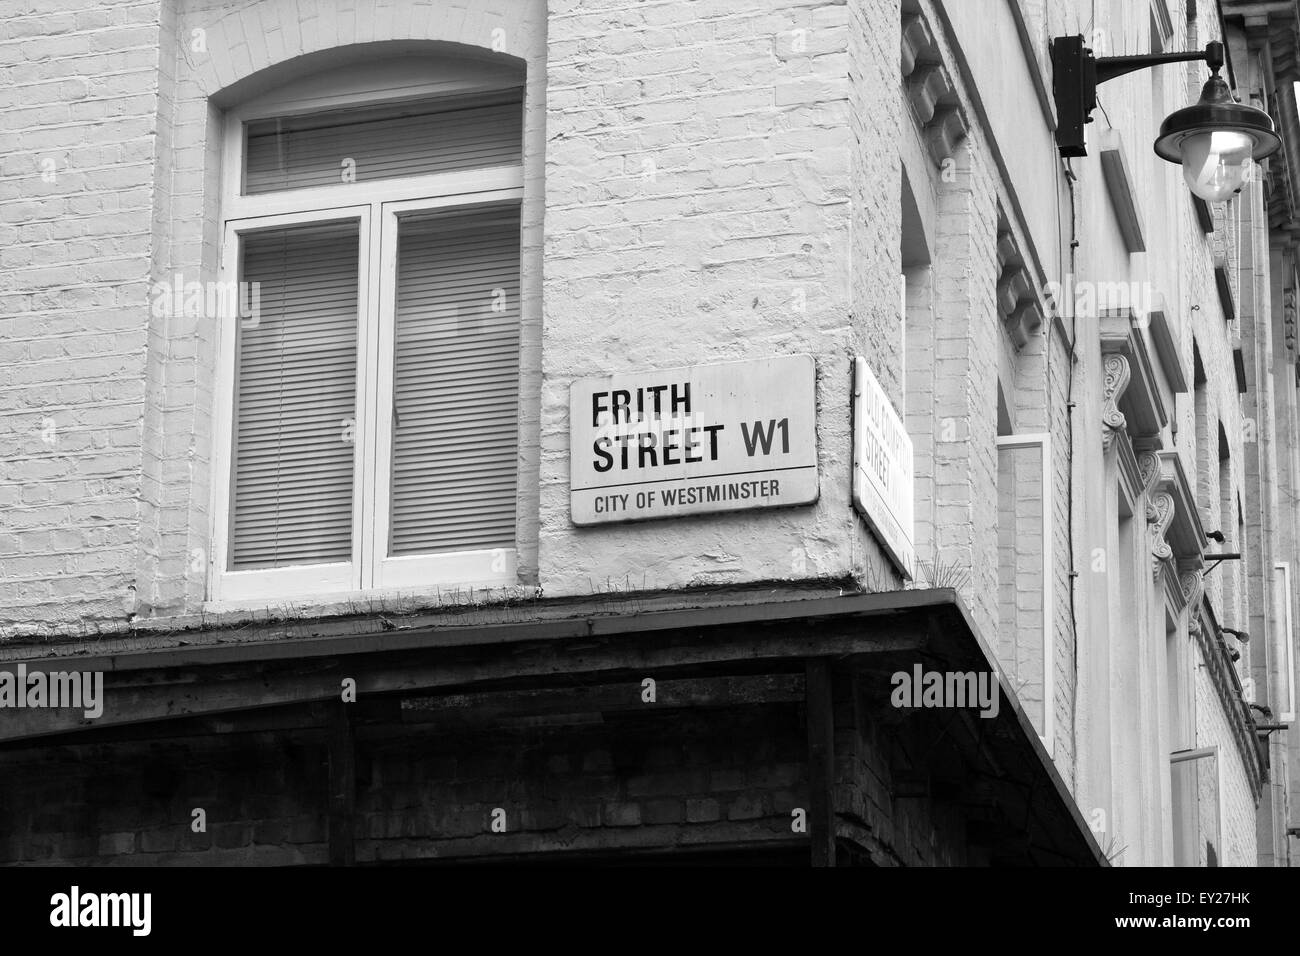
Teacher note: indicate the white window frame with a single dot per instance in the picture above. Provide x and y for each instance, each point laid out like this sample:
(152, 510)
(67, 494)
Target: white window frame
(376, 206)
(1288, 642)
(271, 582)
(408, 571)
(1043, 442)
(1202, 753)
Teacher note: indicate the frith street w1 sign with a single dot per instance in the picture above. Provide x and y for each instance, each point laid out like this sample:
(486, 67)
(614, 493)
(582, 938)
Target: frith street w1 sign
(694, 440)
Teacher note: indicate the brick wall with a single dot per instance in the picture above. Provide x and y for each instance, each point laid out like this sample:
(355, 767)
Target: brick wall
(671, 780)
(709, 195)
(78, 107)
(1236, 800)
(709, 190)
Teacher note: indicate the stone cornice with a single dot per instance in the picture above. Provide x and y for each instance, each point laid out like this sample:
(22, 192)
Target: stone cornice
(1184, 532)
(1143, 406)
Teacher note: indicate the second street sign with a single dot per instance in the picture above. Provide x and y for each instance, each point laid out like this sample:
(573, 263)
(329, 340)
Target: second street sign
(694, 440)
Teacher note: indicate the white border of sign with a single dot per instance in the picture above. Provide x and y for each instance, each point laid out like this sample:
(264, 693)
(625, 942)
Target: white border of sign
(705, 409)
(891, 523)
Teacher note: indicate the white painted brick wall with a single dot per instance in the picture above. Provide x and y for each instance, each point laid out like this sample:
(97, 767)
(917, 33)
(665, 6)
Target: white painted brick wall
(78, 90)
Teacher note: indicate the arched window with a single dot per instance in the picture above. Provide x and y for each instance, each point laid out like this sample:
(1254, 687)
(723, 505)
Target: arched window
(368, 379)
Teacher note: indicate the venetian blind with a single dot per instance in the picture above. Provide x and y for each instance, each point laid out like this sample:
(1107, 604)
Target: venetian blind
(296, 398)
(438, 136)
(455, 383)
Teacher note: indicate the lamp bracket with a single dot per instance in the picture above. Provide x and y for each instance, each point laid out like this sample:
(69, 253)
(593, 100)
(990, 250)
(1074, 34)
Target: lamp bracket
(1076, 74)
(1219, 559)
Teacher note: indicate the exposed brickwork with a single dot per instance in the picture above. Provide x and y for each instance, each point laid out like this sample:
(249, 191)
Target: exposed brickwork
(658, 783)
(79, 110)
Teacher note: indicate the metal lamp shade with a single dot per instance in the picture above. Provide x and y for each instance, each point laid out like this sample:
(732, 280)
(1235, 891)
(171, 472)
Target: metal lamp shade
(1217, 112)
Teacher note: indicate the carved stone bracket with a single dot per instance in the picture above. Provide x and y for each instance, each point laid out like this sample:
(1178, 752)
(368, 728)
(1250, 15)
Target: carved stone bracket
(1116, 380)
(1018, 306)
(927, 87)
(945, 133)
(1149, 469)
(917, 39)
(1160, 550)
(1193, 584)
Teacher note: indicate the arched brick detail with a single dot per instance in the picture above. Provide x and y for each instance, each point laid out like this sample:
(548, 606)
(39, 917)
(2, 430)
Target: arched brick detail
(260, 35)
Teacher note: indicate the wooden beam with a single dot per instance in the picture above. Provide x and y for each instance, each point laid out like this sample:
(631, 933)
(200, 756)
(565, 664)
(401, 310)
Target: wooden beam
(342, 787)
(481, 707)
(165, 695)
(376, 633)
(821, 762)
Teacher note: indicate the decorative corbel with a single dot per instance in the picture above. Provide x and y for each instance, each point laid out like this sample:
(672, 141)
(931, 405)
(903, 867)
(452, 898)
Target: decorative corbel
(1012, 287)
(1007, 253)
(1025, 319)
(1116, 379)
(928, 86)
(916, 39)
(1193, 585)
(945, 132)
(1160, 550)
(1149, 470)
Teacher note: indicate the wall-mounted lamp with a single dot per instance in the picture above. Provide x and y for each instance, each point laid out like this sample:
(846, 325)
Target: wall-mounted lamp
(1214, 140)
(1239, 635)
(1215, 536)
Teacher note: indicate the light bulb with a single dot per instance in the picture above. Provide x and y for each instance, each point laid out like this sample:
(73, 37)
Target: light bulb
(1215, 164)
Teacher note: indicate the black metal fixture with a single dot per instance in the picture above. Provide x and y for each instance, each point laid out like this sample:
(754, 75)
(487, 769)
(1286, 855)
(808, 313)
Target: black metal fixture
(1214, 140)
(1215, 536)
(1239, 635)
(1219, 559)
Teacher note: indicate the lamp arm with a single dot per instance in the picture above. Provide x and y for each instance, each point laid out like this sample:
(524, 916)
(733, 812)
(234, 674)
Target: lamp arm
(1110, 67)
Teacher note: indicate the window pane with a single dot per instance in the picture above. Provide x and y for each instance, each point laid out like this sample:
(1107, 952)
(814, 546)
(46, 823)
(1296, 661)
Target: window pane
(324, 149)
(1195, 792)
(456, 383)
(1021, 587)
(296, 398)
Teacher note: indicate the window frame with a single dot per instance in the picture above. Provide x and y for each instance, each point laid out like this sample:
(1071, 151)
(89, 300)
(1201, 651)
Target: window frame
(1193, 755)
(1286, 625)
(229, 584)
(376, 205)
(405, 571)
(1043, 442)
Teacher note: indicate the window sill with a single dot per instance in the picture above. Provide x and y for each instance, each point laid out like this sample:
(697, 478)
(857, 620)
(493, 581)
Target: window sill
(377, 601)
